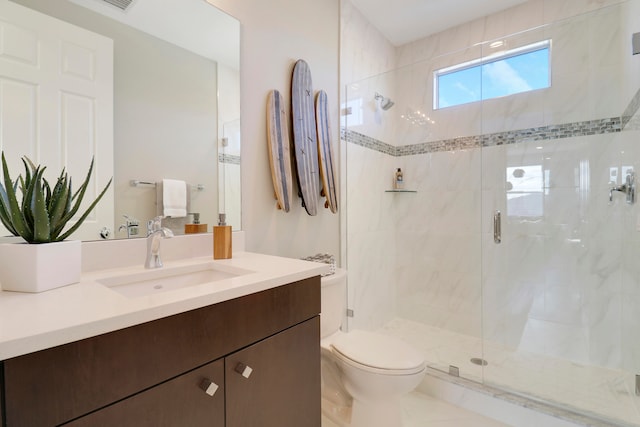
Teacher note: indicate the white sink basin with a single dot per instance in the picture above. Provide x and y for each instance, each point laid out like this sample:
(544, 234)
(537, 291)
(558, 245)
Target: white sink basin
(165, 279)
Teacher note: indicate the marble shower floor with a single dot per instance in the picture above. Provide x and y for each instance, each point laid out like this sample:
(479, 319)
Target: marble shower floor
(589, 390)
(420, 410)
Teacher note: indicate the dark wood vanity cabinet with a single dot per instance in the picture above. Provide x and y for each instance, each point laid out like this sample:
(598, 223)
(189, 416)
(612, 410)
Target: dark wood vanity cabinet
(177, 402)
(262, 352)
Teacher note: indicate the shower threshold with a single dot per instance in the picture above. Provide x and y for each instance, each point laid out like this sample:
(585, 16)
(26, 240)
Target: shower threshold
(589, 395)
(516, 399)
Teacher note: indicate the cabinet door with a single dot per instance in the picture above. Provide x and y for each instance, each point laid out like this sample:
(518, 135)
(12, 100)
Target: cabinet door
(281, 382)
(190, 400)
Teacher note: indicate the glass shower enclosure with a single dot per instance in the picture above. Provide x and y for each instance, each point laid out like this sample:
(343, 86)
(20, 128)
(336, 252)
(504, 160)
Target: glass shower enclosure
(512, 252)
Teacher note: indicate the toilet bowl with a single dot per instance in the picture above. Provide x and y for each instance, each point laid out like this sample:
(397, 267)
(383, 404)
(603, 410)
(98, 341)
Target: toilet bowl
(363, 373)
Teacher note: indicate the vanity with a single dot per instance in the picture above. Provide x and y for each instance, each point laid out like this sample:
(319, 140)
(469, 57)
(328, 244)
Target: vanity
(239, 351)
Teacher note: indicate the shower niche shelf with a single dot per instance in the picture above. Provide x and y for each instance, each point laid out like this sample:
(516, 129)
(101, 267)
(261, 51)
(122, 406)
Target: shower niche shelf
(400, 191)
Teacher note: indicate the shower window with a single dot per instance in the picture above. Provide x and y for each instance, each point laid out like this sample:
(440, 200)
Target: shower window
(500, 74)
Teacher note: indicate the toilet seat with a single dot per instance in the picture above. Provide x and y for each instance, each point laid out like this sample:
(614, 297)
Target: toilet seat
(380, 354)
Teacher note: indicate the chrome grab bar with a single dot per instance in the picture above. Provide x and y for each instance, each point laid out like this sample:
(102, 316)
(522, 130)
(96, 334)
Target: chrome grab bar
(497, 232)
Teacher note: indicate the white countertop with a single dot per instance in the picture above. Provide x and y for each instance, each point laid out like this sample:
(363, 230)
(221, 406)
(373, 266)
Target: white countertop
(32, 322)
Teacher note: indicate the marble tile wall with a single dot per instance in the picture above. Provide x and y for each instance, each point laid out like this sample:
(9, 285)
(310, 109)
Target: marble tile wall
(438, 240)
(371, 238)
(364, 51)
(370, 247)
(582, 60)
(564, 281)
(554, 286)
(528, 15)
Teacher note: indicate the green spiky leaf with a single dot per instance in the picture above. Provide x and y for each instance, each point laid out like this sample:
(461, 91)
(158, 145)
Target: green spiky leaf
(15, 213)
(43, 212)
(86, 213)
(41, 228)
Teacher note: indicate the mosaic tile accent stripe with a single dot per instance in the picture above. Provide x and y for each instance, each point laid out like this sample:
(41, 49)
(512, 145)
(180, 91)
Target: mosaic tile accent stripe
(568, 130)
(228, 158)
(367, 142)
(631, 113)
(629, 120)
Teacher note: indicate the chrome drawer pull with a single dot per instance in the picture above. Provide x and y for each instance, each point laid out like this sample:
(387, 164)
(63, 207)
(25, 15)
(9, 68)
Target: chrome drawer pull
(209, 386)
(243, 370)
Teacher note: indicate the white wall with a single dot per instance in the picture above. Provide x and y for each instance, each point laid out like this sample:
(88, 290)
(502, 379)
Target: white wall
(275, 34)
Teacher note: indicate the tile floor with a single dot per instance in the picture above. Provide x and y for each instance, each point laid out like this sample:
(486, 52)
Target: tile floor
(420, 410)
(586, 389)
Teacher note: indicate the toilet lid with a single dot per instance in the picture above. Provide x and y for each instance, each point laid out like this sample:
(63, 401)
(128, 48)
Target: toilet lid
(378, 351)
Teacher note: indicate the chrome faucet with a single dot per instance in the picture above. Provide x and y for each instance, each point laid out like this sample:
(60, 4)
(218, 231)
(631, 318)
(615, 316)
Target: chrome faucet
(155, 233)
(130, 226)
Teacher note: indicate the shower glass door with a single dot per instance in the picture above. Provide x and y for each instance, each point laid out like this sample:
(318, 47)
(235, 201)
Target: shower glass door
(413, 256)
(548, 309)
(560, 291)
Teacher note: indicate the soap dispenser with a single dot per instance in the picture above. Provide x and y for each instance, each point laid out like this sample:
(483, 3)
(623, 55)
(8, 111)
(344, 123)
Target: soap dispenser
(398, 182)
(222, 238)
(195, 226)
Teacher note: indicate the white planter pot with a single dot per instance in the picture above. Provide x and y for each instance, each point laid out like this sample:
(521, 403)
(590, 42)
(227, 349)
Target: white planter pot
(38, 268)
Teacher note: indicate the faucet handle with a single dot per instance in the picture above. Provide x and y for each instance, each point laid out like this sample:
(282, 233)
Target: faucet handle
(154, 224)
(629, 188)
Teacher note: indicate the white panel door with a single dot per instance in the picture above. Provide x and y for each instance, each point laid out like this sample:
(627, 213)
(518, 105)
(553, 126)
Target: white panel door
(56, 103)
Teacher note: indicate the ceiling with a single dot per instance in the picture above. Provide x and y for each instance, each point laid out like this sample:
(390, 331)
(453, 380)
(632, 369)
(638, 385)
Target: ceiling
(403, 21)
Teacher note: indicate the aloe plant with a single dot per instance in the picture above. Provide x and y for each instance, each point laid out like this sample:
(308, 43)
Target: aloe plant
(43, 212)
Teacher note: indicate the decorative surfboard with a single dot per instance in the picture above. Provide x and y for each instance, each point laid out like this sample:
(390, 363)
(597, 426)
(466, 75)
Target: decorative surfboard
(279, 151)
(304, 136)
(325, 153)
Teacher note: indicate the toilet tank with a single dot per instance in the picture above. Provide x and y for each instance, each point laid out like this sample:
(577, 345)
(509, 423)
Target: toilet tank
(333, 302)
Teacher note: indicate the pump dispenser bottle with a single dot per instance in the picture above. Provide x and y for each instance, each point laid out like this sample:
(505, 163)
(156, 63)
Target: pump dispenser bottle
(398, 181)
(222, 238)
(195, 226)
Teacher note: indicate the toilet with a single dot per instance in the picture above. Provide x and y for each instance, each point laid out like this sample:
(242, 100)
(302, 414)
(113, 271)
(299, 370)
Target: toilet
(363, 373)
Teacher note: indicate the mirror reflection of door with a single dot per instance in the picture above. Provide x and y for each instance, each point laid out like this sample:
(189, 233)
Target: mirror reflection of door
(56, 92)
(167, 56)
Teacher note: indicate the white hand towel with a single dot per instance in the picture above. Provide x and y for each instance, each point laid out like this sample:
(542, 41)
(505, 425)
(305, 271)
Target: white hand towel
(174, 198)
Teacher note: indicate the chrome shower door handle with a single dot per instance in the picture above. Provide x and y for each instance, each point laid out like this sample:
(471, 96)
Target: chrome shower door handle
(497, 225)
(631, 187)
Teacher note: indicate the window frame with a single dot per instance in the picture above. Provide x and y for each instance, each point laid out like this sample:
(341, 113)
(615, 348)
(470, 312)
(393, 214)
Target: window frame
(489, 59)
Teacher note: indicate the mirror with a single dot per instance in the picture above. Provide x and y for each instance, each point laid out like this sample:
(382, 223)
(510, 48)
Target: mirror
(176, 106)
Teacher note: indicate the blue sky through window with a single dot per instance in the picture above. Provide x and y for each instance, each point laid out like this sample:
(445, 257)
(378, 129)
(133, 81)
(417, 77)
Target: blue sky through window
(507, 74)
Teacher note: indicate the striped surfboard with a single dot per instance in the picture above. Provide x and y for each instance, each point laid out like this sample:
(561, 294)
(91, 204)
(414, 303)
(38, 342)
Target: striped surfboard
(325, 152)
(279, 150)
(304, 136)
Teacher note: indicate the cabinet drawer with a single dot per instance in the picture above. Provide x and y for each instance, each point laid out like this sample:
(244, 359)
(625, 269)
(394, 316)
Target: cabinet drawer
(98, 371)
(177, 403)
